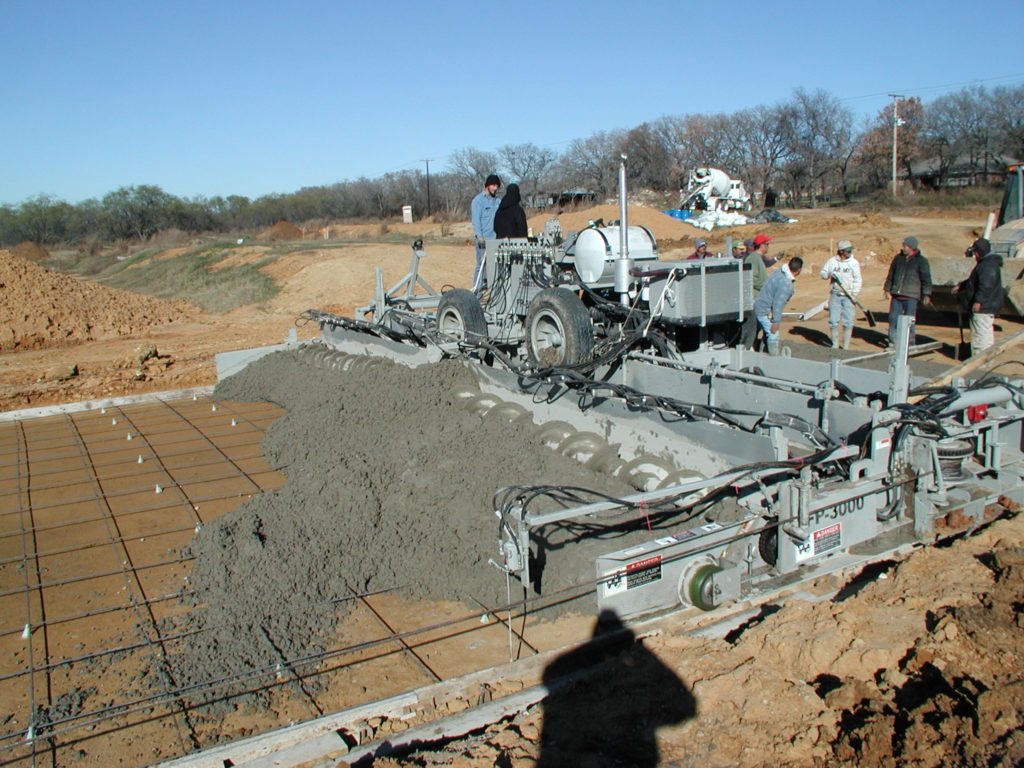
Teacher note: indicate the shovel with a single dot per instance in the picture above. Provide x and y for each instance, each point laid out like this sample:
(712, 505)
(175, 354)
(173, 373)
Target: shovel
(962, 351)
(846, 293)
(817, 308)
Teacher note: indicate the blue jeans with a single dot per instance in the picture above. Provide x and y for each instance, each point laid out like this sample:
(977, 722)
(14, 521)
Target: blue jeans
(477, 277)
(901, 305)
(840, 311)
(766, 325)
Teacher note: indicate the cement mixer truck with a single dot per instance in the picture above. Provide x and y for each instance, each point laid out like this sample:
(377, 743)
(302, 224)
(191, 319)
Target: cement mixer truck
(710, 189)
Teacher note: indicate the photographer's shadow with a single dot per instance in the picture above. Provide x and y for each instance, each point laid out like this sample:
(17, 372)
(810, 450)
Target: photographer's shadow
(606, 699)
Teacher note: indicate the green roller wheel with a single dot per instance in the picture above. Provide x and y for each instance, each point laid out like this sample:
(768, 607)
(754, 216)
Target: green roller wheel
(700, 589)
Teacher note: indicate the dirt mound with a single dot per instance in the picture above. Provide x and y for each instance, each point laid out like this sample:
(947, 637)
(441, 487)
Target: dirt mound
(283, 230)
(31, 251)
(47, 309)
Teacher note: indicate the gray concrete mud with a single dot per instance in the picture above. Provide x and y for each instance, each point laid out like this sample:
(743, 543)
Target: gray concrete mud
(389, 484)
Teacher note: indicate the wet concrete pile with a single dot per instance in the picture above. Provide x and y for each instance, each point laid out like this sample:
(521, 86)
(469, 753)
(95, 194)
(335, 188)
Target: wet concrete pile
(389, 485)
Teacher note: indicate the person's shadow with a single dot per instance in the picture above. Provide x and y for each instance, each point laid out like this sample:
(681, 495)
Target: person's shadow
(606, 699)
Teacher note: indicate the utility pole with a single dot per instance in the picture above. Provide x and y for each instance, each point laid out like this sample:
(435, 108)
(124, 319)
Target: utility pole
(428, 186)
(896, 123)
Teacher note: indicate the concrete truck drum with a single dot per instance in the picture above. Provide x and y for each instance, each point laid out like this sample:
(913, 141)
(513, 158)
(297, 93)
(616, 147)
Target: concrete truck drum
(710, 189)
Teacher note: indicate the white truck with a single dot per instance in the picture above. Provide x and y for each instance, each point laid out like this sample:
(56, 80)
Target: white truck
(710, 189)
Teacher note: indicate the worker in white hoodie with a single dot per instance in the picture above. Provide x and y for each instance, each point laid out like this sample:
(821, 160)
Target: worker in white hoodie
(843, 271)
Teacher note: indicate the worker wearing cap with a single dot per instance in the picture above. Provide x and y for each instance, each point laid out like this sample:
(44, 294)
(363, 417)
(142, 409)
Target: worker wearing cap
(908, 284)
(843, 271)
(778, 290)
(761, 246)
(482, 211)
(700, 249)
(758, 276)
(982, 293)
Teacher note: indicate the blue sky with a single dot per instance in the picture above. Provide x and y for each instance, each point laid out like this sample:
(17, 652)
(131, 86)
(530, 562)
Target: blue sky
(256, 97)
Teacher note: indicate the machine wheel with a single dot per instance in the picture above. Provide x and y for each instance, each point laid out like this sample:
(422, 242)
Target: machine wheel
(700, 587)
(459, 314)
(559, 331)
(768, 541)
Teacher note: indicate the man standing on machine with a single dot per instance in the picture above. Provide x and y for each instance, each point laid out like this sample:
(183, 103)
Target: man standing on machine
(482, 211)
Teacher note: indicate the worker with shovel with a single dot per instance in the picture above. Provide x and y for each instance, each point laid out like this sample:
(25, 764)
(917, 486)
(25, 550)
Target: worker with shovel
(843, 271)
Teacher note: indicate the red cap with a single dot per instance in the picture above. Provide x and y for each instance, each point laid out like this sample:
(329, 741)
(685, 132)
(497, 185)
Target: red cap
(761, 239)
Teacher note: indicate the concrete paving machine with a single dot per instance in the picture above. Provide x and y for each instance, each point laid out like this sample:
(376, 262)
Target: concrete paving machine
(750, 470)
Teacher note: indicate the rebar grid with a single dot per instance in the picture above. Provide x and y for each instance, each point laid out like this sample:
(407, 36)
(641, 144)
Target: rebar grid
(58, 732)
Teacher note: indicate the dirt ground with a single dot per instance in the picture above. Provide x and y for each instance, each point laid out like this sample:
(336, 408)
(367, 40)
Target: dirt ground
(920, 663)
(73, 340)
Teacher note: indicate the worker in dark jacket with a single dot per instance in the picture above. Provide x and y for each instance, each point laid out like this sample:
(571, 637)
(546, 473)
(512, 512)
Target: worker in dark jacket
(908, 284)
(510, 220)
(982, 293)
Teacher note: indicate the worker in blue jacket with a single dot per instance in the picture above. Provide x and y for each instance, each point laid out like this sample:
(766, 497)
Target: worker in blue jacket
(777, 291)
(482, 211)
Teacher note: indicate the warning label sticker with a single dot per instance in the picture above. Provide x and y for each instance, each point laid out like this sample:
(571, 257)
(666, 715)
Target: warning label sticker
(821, 541)
(827, 538)
(634, 575)
(643, 572)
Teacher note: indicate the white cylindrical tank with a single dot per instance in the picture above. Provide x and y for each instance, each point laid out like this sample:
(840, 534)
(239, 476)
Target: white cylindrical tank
(718, 180)
(596, 249)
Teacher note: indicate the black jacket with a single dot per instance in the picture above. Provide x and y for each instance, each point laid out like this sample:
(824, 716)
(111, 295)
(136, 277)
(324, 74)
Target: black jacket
(510, 219)
(911, 277)
(984, 285)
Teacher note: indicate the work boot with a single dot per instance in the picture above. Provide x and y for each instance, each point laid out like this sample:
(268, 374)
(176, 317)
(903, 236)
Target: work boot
(847, 335)
(835, 337)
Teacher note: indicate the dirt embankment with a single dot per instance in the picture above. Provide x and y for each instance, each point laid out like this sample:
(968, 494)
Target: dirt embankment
(43, 309)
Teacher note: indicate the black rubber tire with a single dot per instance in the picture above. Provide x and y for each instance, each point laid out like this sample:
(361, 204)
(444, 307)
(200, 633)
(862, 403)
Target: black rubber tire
(459, 314)
(559, 331)
(768, 541)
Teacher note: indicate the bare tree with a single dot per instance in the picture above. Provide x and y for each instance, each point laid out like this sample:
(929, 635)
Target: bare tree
(873, 156)
(765, 137)
(650, 160)
(473, 165)
(526, 163)
(592, 163)
(1006, 112)
(820, 131)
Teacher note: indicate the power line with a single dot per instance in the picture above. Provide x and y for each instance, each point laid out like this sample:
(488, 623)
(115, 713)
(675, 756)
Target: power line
(936, 87)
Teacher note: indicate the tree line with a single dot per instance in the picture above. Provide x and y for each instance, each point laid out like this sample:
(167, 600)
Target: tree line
(805, 149)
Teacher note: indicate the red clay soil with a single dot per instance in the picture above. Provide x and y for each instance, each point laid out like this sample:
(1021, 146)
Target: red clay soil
(283, 230)
(31, 251)
(43, 309)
